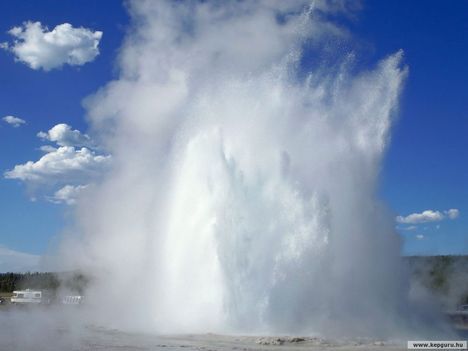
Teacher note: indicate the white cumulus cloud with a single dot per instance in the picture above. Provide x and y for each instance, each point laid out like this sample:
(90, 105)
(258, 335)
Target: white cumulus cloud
(428, 216)
(452, 213)
(47, 148)
(64, 164)
(419, 236)
(67, 195)
(64, 135)
(14, 121)
(65, 169)
(38, 47)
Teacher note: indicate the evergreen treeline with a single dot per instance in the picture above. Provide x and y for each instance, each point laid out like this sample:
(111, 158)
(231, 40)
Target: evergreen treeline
(437, 271)
(74, 282)
(444, 276)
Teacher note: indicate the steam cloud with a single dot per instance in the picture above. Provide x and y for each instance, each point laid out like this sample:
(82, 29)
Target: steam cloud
(242, 192)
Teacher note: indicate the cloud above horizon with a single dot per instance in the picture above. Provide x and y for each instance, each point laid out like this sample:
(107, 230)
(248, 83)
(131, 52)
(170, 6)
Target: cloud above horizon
(63, 135)
(67, 168)
(14, 121)
(65, 163)
(67, 195)
(428, 216)
(39, 48)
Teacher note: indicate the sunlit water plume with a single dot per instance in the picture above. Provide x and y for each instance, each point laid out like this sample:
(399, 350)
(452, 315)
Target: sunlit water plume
(242, 196)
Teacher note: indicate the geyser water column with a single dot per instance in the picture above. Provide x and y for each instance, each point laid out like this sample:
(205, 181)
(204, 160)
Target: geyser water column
(242, 193)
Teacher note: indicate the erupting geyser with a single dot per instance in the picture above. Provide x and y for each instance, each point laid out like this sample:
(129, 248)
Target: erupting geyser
(242, 192)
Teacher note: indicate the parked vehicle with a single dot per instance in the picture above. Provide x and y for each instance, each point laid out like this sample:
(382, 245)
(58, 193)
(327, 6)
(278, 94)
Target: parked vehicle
(72, 300)
(26, 297)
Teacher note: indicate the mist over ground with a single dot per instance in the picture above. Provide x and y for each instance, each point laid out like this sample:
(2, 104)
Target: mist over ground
(242, 198)
(242, 195)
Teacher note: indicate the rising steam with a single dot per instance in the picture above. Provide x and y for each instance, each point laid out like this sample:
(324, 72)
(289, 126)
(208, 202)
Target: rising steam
(242, 196)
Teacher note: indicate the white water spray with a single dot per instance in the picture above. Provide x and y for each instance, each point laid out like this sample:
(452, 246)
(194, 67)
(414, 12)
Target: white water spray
(242, 196)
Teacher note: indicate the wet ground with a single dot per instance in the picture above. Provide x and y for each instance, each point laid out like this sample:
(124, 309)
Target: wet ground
(101, 339)
(41, 329)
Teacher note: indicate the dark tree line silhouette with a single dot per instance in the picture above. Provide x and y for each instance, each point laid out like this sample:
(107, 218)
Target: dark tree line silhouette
(444, 276)
(72, 281)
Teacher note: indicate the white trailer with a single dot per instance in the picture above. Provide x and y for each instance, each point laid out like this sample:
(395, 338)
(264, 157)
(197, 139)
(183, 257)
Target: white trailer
(26, 296)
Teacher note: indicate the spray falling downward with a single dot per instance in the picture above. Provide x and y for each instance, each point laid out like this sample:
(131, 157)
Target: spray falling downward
(242, 196)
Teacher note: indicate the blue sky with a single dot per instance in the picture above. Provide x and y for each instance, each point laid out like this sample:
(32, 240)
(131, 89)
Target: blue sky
(426, 165)
(425, 168)
(45, 99)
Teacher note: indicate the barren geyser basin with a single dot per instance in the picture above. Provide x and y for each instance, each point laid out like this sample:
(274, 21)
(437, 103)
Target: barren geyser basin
(246, 149)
